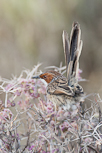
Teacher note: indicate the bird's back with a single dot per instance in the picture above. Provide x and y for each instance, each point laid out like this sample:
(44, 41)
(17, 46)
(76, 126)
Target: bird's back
(60, 93)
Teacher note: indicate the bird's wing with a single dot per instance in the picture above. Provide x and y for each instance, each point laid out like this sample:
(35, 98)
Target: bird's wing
(64, 90)
(60, 87)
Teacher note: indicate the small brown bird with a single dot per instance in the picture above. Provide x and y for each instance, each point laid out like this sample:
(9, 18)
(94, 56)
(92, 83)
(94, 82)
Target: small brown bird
(63, 90)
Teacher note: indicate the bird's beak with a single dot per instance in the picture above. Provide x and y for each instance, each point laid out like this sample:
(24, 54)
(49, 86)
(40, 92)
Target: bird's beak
(36, 77)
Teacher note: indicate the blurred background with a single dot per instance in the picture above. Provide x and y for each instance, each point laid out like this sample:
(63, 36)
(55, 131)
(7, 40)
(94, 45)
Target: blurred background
(31, 32)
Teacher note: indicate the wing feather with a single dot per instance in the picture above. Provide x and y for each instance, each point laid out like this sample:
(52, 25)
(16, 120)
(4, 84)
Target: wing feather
(60, 87)
(61, 91)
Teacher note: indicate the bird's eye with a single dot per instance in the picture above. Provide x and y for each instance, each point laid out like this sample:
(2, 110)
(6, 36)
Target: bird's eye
(44, 76)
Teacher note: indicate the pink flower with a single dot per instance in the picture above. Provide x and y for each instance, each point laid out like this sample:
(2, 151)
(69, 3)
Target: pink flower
(49, 109)
(10, 103)
(9, 86)
(18, 92)
(5, 114)
(55, 151)
(42, 90)
(31, 147)
(52, 122)
(64, 126)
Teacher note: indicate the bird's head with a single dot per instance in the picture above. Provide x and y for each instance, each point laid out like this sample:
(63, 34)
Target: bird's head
(48, 76)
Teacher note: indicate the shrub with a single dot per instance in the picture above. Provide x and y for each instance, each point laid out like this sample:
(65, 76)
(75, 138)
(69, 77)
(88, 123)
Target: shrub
(29, 123)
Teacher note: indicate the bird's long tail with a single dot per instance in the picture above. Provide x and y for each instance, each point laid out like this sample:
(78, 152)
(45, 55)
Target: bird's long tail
(72, 51)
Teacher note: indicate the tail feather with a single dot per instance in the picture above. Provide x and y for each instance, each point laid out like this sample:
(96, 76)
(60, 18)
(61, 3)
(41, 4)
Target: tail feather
(66, 48)
(72, 52)
(74, 40)
(76, 65)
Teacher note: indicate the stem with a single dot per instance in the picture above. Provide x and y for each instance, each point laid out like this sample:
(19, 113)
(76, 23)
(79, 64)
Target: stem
(6, 100)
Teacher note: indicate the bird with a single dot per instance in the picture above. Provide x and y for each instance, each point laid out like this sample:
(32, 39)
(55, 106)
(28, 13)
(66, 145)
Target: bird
(61, 90)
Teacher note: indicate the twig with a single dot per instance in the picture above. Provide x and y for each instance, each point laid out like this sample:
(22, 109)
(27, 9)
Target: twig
(91, 147)
(27, 143)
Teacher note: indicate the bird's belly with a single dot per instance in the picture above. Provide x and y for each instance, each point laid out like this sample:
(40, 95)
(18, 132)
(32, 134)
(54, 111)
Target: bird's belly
(63, 100)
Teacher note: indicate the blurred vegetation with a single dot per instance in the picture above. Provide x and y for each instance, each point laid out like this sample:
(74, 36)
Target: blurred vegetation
(31, 32)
